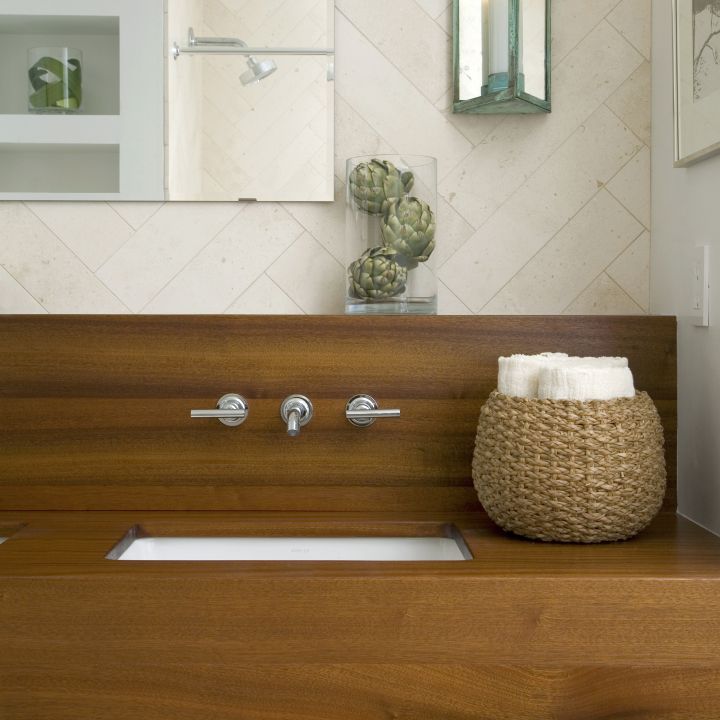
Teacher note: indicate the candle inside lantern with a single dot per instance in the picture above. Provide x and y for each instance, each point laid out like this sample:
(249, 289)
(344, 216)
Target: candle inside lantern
(498, 36)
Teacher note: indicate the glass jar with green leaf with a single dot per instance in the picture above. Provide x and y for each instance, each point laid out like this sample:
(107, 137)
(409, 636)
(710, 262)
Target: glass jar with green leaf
(55, 76)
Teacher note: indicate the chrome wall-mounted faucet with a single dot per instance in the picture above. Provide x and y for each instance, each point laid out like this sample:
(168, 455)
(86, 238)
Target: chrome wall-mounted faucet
(363, 411)
(296, 411)
(232, 410)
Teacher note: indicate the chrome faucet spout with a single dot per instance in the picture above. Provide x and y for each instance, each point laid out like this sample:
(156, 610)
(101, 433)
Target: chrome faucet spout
(296, 411)
(294, 423)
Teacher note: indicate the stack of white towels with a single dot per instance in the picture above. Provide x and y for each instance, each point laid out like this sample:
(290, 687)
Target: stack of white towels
(556, 376)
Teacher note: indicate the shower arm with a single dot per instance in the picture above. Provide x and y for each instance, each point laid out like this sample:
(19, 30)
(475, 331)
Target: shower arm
(235, 46)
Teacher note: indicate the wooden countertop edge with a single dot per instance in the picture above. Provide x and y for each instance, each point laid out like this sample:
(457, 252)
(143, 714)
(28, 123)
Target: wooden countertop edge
(55, 545)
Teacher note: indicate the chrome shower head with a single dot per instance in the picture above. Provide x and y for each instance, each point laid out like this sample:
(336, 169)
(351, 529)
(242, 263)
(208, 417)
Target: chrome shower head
(258, 70)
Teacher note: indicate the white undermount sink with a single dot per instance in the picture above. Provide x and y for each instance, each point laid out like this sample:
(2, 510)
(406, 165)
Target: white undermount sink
(248, 549)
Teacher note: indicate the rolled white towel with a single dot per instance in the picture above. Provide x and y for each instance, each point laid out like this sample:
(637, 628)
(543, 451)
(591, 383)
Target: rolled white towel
(518, 374)
(621, 362)
(585, 381)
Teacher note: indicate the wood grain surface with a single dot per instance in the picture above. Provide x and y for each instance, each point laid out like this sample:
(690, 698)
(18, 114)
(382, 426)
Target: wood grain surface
(524, 630)
(104, 689)
(94, 411)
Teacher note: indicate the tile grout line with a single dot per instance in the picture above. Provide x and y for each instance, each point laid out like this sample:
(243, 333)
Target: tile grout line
(291, 217)
(560, 59)
(625, 207)
(615, 259)
(134, 231)
(247, 289)
(415, 87)
(37, 300)
(537, 170)
(605, 272)
(132, 227)
(200, 250)
(93, 273)
(449, 289)
(391, 62)
(545, 244)
(552, 154)
(623, 36)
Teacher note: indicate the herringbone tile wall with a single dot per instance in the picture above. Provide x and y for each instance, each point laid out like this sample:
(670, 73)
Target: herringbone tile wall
(538, 214)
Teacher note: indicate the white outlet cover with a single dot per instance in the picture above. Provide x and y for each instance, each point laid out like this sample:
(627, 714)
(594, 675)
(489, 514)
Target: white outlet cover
(700, 286)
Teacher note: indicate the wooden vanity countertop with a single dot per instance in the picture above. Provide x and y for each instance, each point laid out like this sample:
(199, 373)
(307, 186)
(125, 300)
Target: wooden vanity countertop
(56, 544)
(525, 630)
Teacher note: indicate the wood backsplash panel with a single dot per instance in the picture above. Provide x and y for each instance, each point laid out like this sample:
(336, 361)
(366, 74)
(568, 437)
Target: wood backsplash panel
(95, 410)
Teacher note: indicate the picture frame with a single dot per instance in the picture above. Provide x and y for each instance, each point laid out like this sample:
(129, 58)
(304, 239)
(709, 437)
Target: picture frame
(696, 61)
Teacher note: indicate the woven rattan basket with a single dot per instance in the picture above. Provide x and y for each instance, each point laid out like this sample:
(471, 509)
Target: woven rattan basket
(568, 471)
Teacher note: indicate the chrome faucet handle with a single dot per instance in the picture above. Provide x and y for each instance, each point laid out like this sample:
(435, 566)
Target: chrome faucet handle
(296, 411)
(232, 410)
(363, 411)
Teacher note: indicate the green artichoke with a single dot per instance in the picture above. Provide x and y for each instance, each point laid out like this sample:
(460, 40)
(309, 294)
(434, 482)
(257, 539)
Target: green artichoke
(376, 184)
(408, 226)
(377, 275)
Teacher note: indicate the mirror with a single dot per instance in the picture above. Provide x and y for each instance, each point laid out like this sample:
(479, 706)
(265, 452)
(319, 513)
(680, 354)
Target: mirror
(201, 100)
(258, 126)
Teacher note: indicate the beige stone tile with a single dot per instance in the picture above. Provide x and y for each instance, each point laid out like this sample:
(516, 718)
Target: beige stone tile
(603, 297)
(223, 168)
(434, 8)
(631, 271)
(93, 231)
(162, 248)
(453, 231)
(136, 214)
(475, 127)
(570, 261)
(230, 263)
(354, 136)
(631, 186)
(551, 197)
(572, 21)
(311, 277)
(445, 21)
(632, 19)
(449, 303)
(631, 102)
(47, 269)
(487, 177)
(324, 221)
(15, 299)
(397, 110)
(264, 297)
(411, 40)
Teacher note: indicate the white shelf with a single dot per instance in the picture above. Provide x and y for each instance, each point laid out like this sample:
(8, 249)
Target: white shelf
(101, 152)
(60, 129)
(58, 25)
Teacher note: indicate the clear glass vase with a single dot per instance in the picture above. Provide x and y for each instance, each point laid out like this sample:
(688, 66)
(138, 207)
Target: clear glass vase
(391, 235)
(55, 80)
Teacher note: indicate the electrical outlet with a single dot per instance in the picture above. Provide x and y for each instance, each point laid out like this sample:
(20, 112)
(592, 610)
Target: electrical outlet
(700, 286)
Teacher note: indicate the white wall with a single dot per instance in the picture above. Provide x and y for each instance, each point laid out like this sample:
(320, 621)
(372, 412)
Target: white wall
(537, 214)
(685, 206)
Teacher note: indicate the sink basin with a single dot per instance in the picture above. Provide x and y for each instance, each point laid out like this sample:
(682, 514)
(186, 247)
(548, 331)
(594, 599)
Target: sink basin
(258, 548)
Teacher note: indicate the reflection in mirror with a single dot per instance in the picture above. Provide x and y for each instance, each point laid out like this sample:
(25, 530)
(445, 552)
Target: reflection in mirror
(251, 100)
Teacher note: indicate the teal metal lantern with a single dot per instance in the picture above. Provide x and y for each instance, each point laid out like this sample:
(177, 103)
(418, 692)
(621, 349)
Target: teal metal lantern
(501, 56)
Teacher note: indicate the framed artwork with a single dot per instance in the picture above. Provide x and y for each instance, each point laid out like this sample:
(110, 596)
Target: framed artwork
(696, 54)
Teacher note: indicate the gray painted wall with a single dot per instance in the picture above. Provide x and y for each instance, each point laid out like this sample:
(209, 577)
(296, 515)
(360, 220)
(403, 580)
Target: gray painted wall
(685, 213)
